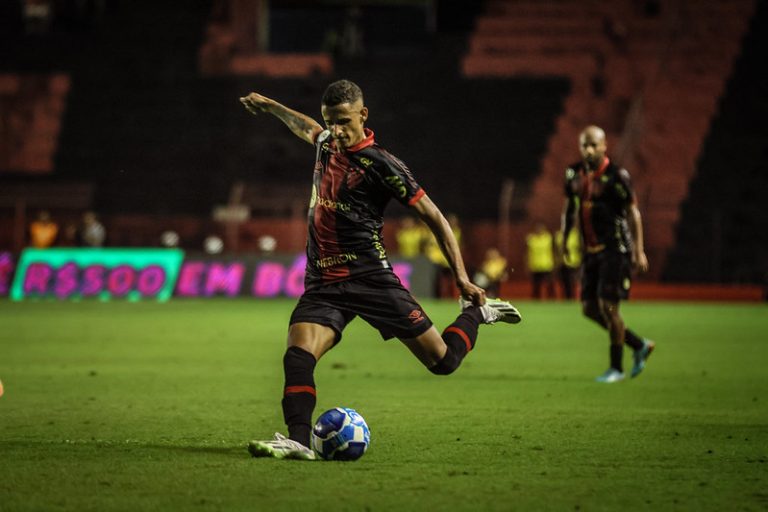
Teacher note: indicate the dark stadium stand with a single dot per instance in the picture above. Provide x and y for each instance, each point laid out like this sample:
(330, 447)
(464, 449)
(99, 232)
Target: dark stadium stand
(152, 122)
(723, 233)
(157, 137)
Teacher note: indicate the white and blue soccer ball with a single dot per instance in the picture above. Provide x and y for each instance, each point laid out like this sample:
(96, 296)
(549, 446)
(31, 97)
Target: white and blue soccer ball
(340, 434)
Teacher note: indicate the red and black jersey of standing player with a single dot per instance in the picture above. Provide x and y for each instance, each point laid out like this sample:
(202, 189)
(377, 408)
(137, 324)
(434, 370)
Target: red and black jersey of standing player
(350, 190)
(603, 197)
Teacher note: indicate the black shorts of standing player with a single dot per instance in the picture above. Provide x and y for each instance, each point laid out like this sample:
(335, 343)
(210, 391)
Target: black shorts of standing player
(379, 298)
(606, 275)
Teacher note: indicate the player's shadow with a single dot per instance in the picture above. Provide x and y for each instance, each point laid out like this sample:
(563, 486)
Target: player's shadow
(240, 451)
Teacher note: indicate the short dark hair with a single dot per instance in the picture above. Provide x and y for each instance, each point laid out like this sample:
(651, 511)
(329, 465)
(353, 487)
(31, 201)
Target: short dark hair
(342, 91)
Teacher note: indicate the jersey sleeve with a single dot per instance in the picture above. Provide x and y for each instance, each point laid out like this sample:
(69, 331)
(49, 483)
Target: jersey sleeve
(398, 180)
(624, 186)
(568, 188)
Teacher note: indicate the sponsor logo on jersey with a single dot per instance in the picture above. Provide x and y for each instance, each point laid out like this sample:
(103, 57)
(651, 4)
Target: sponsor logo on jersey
(332, 205)
(396, 182)
(338, 259)
(416, 316)
(379, 246)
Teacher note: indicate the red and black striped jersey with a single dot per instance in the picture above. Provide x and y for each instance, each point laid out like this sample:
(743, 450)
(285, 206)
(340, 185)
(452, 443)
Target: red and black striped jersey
(350, 191)
(602, 197)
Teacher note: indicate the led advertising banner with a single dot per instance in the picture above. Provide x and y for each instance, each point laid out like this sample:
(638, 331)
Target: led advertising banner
(131, 274)
(274, 276)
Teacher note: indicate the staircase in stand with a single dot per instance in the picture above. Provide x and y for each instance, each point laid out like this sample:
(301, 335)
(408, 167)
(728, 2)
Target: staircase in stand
(651, 78)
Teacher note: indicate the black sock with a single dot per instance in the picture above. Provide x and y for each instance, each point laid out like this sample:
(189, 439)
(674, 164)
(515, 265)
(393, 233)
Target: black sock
(460, 338)
(299, 394)
(633, 340)
(617, 354)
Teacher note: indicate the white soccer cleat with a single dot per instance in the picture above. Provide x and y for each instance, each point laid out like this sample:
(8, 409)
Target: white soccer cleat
(495, 310)
(281, 448)
(610, 376)
(641, 356)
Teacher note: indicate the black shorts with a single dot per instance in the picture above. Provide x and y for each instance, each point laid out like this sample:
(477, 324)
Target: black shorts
(379, 299)
(606, 275)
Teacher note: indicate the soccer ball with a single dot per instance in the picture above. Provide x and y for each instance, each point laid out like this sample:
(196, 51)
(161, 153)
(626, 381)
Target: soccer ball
(340, 434)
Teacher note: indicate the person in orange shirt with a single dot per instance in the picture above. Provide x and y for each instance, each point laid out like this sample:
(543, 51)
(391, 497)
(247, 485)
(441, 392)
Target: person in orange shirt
(43, 231)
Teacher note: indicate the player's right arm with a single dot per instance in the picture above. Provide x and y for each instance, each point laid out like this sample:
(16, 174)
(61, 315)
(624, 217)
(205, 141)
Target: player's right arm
(303, 126)
(569, 214)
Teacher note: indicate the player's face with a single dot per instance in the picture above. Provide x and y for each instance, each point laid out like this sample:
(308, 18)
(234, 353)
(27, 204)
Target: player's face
(593, 147)
(345, 121)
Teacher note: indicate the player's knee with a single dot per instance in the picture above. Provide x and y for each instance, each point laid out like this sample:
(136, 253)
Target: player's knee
(447, 365)
(591, 310)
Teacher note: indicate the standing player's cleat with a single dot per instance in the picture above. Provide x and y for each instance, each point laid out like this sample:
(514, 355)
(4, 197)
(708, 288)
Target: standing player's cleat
(281, 448)
(610, 376)
(641, 356)
(495, 310)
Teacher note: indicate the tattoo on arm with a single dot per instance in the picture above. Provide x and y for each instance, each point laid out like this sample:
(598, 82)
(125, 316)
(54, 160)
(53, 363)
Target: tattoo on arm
(301, 125)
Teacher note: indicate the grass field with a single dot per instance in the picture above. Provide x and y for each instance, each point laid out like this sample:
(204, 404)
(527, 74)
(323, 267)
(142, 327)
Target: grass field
(145, 406)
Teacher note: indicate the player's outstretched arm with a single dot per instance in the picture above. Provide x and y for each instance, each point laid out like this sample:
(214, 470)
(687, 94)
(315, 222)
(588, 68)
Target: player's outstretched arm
(303, 126)
(439, 226)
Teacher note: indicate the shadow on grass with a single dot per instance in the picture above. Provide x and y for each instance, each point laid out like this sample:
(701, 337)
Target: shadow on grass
(240, 451)
(97, 446)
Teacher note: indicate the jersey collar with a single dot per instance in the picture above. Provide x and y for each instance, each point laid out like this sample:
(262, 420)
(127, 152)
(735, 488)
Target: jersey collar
(601, 170)
(367, 141)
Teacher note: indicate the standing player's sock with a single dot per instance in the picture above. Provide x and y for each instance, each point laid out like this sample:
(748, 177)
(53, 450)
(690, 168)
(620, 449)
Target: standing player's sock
(460, 338)
(617, 354)
(633, 340)
(299, 394)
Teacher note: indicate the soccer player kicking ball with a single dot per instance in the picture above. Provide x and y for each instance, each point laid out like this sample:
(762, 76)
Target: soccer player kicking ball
(347, 273)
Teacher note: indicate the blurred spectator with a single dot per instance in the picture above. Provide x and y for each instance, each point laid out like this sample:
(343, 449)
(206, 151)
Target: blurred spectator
(43, 230)
(444, 286)
(541, 260)
(267, 244)
(169, 239)
(568, 261)
(492, 272)
(352, 34)
(347, 42)
(37, 16)
(91, 232)
(213, 245)
(410, 238)
(69, 235)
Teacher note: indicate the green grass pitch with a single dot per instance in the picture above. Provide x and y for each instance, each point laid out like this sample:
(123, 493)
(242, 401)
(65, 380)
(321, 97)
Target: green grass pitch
(146, 406)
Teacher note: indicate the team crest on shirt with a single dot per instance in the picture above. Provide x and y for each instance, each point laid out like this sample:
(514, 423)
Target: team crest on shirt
(354, 177)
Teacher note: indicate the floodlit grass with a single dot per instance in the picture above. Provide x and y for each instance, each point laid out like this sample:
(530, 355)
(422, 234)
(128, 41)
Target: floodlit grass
(123, 406)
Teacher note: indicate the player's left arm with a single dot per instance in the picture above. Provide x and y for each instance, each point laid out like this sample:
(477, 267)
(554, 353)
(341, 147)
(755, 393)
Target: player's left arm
(437, 223)
(634, 219)
(639, 259)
